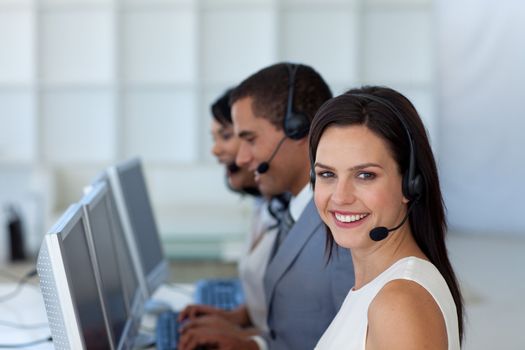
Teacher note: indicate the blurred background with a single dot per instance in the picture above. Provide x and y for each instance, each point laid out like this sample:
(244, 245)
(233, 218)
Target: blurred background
(87, 83)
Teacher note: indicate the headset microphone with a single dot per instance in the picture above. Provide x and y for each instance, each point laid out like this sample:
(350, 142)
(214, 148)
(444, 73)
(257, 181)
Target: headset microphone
(265, 166)
(379, 233)
(295, 124)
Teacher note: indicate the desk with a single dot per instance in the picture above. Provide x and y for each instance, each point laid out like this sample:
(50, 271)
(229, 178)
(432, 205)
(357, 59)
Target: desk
(27, 307)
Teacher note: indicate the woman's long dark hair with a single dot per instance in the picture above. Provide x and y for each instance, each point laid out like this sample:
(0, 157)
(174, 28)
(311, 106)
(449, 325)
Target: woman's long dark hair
(427, 219)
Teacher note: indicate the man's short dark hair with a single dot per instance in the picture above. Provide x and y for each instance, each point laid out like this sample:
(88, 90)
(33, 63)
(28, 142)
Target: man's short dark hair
(269, 90)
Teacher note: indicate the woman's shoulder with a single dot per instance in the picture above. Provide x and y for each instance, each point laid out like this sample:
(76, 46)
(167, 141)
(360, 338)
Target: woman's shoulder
(404, 310)
(402, 294)
(407, 288)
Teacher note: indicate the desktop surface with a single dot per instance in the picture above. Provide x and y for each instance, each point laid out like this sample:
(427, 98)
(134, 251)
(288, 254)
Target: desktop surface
(28, 306)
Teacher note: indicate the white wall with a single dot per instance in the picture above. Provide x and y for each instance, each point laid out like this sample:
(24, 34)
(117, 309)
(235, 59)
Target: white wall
(85, 83)
(481, 119)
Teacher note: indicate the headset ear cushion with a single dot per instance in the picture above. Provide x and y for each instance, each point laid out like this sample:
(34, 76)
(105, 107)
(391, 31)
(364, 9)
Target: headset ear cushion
(296, 126)
(417, 186)
(412, 188)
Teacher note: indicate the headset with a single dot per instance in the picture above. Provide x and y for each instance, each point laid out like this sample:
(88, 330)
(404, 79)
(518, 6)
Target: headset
(295, 124)
(412, 182)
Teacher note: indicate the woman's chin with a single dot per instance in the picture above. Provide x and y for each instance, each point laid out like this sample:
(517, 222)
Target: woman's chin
(234, 183)
(348, 240)
(238, 182)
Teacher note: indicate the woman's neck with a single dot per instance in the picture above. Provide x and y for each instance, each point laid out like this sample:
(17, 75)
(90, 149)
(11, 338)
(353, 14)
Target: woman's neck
(372, 261)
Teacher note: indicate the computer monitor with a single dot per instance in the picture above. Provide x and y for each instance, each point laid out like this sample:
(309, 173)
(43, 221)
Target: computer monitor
(134, 295)
(69, 285)
(134, 207)
(118, 285)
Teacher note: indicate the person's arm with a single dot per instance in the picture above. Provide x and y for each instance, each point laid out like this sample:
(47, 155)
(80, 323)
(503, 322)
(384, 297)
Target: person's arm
(239, 316)
(260, 342)
(404, 315)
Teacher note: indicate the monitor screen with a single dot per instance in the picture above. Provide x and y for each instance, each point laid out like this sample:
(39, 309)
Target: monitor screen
(97, 207)
(127, 273)
(84, 288)
(141, 215)
(133, 203)
(69, 286)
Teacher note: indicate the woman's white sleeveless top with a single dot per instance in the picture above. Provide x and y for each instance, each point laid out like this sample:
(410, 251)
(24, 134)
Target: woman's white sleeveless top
(348, 329)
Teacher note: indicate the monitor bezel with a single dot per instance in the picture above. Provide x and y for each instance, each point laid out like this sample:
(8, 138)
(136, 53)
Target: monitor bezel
(55, 251)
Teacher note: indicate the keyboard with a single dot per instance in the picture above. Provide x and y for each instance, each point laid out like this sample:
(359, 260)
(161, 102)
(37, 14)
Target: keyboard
(167, 331)
(225, 294)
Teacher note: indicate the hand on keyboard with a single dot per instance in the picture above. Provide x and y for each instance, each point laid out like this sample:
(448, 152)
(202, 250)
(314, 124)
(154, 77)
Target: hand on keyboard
(210, 331)
(168, 332)
(210, 321)
(192, 312)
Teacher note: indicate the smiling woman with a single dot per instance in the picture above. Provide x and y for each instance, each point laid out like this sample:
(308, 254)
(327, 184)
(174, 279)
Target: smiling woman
(367, 176)
(358, 192)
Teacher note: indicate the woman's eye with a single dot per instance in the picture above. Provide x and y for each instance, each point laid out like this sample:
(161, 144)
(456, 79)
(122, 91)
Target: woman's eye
(366, 176)
(226, 136)
(325, 174)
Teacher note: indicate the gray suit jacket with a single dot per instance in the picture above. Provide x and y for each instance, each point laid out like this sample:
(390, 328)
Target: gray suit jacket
(303, 291)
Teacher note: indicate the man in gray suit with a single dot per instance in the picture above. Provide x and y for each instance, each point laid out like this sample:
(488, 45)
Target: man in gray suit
(272, 111)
